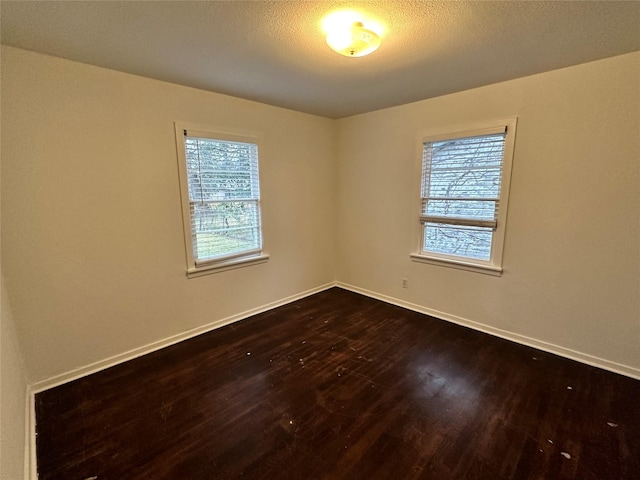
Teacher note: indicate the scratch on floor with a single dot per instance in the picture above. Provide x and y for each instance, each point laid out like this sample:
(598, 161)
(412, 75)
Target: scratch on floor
(165, 411)
(362, 357)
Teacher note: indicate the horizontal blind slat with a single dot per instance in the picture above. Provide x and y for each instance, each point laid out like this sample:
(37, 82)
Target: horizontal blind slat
(471, 222)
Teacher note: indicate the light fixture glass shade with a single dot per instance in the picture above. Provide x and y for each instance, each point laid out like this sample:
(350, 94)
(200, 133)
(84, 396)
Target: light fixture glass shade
(353, 41)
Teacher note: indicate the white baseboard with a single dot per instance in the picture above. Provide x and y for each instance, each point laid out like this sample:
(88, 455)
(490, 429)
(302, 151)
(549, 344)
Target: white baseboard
(30, 465)
(514, 337)
(31, 471)
(152, 347)
(30, 457)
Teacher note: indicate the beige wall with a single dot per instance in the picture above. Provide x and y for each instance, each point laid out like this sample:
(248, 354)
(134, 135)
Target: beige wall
(13, 397)
(92, 235)
(93, 245)
(572, 249)
(13, 393)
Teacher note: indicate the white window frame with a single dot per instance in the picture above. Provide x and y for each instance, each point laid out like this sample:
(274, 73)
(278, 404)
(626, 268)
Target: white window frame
(196, 268)
(493, 266)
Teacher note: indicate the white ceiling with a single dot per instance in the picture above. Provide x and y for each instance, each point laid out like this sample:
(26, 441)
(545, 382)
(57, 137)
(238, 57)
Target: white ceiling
(274, 51)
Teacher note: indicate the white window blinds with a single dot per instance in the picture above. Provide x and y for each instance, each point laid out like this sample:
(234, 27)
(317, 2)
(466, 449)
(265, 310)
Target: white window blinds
(224, 198)
(461, 184)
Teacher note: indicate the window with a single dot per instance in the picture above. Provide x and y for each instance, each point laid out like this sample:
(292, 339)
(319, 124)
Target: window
(465, 187)
(220, 192)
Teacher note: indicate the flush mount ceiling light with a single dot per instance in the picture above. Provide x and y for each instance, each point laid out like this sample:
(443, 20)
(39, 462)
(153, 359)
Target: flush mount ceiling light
(353, 41)
(350, 36)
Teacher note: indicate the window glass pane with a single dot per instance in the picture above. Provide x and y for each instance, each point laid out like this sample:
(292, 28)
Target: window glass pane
(224, 228)
(463, 241)
(462, 179)
(224, 193)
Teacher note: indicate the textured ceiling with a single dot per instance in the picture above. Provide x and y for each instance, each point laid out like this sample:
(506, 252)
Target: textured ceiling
(274, 51)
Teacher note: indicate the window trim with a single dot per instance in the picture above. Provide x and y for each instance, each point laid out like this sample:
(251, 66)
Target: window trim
(197, 268)
(493, 266)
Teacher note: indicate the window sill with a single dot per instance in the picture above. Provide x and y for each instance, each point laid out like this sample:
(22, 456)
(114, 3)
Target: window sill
(460, 264)
(224, 265)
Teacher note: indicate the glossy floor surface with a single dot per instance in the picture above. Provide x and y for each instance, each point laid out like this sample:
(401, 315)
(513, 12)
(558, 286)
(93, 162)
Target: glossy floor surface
(341, 386)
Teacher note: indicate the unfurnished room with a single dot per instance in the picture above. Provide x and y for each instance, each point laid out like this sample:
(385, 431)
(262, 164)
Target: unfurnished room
(320, 240)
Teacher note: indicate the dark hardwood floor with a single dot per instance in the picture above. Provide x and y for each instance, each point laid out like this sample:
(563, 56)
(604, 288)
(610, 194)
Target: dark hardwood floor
(341, 386)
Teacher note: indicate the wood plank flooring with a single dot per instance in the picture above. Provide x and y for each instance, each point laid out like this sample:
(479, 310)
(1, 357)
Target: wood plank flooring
(341, 386)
